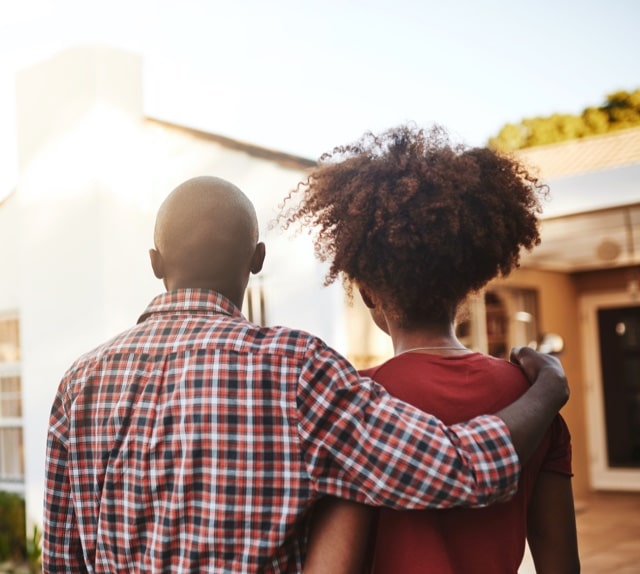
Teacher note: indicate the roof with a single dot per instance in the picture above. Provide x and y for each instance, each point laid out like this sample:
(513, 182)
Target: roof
(592, 153)
(592, 220)
(592, 240)
(282, 158)
(589, 174)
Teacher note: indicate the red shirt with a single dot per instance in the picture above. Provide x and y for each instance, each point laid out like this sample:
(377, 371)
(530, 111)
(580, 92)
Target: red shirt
(482, 541)
(197, 442)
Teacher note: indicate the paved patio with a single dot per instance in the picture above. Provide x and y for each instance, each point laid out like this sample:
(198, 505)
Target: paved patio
(608, 534)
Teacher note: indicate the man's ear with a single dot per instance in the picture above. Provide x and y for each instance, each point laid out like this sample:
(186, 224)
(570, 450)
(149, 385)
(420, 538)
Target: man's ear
(257, 260)
(157, 263)
(366, 298)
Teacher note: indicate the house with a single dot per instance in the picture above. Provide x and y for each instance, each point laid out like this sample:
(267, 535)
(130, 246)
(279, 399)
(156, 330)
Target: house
(76, 228)
(583, 283)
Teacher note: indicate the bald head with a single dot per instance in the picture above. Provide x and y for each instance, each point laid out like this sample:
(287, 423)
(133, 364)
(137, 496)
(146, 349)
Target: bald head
(206, 236)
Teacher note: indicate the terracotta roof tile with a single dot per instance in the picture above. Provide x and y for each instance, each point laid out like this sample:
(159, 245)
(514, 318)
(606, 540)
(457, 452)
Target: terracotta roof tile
(615, 149)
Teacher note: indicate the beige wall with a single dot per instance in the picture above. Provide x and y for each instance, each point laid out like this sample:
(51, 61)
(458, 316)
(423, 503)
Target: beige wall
(606, 280)
(558, 308)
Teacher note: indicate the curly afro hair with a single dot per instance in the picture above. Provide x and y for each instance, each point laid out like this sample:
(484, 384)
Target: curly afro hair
(417, 221)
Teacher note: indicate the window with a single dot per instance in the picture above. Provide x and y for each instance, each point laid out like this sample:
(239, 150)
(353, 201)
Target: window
(10, 397)
(498, 319)
(11, 422)
(9, 340)
(11, 454)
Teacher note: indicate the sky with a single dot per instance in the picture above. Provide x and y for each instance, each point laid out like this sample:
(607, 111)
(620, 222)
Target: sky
(302, 76)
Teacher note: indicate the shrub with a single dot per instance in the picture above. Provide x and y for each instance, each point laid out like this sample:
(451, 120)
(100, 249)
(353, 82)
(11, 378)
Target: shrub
(13, 543)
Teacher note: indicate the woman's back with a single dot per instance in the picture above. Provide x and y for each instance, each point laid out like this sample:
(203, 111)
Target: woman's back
(492, 539)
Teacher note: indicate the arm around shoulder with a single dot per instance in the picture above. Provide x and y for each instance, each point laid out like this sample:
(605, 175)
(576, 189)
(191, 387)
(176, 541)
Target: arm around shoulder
(530, 416)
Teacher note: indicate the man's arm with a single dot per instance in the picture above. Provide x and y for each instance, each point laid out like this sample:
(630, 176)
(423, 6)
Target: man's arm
(362, 444)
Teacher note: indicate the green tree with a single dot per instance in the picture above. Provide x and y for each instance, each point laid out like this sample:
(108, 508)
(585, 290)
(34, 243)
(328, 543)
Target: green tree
(619, 111)
(596, 120)
(511, 137)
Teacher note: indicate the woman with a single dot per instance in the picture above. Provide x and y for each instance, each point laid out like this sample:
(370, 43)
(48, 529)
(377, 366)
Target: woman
(416, 224)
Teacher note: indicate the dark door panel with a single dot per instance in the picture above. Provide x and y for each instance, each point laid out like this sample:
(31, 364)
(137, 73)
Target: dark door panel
(619, 335)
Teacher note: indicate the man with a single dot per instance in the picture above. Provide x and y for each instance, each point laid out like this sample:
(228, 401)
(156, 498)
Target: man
(198, 442)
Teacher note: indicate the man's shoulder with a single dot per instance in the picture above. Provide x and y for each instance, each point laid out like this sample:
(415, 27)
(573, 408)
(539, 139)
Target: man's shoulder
(93, 355)
(147, 341)
(281, 340)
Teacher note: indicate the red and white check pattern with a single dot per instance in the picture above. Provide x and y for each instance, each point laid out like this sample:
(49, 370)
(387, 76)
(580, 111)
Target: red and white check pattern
(197, 442)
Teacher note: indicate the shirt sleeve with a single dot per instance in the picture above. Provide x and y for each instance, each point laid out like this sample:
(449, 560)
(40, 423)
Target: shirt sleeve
(558, 456)
(362, 444)
(61, 546)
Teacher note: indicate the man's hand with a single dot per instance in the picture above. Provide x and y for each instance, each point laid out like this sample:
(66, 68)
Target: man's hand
(529, 417)
(534, 365)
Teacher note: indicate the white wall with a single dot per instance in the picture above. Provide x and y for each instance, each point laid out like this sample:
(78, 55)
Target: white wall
(77, 232)
(9, 254)
(8, 148)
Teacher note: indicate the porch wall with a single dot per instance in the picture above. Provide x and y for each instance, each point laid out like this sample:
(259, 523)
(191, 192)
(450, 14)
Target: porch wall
(558, 313)
(605, 280)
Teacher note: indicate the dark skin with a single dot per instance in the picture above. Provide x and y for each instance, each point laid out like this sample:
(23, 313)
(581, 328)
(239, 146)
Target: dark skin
(206, 236)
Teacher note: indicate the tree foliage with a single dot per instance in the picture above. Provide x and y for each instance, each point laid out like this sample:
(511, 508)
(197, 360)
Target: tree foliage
(621, 110)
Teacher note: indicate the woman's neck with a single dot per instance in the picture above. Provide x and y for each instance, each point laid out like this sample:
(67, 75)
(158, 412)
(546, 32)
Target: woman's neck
(437, 339)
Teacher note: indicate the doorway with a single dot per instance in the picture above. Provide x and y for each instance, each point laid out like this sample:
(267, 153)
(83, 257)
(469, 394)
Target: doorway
(611, 338)
(619, 334)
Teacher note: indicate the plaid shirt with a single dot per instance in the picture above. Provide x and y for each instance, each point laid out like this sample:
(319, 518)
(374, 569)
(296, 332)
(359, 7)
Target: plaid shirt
(197, 442)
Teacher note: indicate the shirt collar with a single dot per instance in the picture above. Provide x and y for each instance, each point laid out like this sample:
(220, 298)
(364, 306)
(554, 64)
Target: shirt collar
(191, 301)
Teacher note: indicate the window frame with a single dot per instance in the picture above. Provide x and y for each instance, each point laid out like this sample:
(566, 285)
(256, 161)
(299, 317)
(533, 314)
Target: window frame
(10, 369)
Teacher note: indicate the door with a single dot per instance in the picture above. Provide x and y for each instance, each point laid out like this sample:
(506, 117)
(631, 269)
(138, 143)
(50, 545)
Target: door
(619, 338)
(611, 338)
